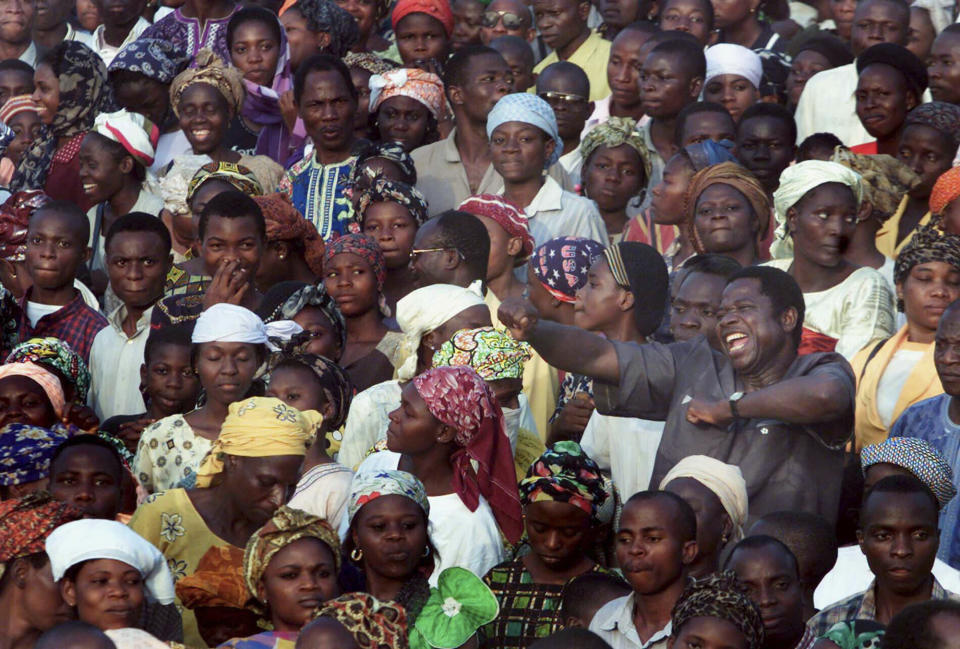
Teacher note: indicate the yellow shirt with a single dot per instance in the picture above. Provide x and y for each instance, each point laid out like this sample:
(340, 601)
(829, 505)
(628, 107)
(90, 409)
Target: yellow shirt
(592, 56)
(887, 234)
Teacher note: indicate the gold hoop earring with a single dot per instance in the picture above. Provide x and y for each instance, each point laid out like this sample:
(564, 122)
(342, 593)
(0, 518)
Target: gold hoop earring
(356, 555)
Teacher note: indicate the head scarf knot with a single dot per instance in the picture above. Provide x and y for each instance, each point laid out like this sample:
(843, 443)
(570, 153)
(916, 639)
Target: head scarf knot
(211, 70)
(384, 190)
(928, 243)
(42, 377)
(726, 173)
(615, 132)
(367, 487)
(529, 109)
(564, 473)
(945, 190)
(369, 62)
(25, 524)
(483, 466)
(372, 623)
(721, 596)
(293, 297)
(507, 215)
(229, 323)
(919, 458)
(259, 427)
(91, 538)
(724, 480)
(727, 58)
(26, 451)
(15, 220)
(439, 9)
(425, 87)
(134, 132)
(217, 580)
(885, 179)
(287, 526)
(285, 223)
(336, 385)
(562, 265)
(423, 310)
(493, 354)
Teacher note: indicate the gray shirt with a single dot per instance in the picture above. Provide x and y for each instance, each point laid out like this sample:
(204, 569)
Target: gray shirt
(786, 466)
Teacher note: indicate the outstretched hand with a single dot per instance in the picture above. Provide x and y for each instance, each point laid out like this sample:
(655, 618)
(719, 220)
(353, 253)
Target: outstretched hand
(519, 316)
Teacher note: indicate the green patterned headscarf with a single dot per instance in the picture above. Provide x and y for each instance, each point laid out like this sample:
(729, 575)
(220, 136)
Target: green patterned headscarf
(614, 132)
(56, 355)
(855, 634)
(492, 353)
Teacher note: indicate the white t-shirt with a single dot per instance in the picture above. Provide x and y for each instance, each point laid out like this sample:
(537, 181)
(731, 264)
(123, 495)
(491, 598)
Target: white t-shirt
(462, 538)
(625, 446)
(35, 311)
(894, 378)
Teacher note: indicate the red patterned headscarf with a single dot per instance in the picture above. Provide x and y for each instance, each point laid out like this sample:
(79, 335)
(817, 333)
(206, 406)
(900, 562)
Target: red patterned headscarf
(364, 247)
(25, 523)
(439, 9)
(285, 223)
(945, 191)
(459, 398)
(507, 215)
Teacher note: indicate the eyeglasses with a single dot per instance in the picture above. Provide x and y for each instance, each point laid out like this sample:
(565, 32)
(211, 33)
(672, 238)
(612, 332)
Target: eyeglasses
(416, 253)
(510, 19)
(562, 98)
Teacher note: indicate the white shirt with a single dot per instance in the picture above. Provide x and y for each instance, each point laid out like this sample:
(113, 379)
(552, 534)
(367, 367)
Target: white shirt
(324, 491)
(624, 446)
(115, 361)
(851, 575)
(29, 55)
(614, 623)
(462, 538)
(79, 35)
(557, 213)
(572, 163)
(892, 382)
(106, 51)
(36, 310)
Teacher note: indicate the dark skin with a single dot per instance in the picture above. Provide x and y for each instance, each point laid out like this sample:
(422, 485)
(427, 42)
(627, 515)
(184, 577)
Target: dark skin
(437, 266)
(50, 26)
(14, 83)
(708, 633)
(297, 385)
(88, 477)
(669, 200)
(770, 575)
(204, 119)
(623, 73)
(738, 20)
(391, 533)
(713, 523)
(725, 223)
(759, 364)
(107, 179)
(505, 251)
(520, 151)
(231, 249)
(930, 154)
(31, 602)
(56, 246)
(326, 633)
(367, 14)
(137, 265)
(694, 308)
(878, 21)
(247, 494)
(559, 534)
(119, 17)
(926, 292)
(563, 24)
(16, 27)
(550, 307)
(425, 443)
(298, 579)
(571, 113)
(667, 85)
(946, 357)
(883, 100)
(862, 249)
(822, 224)
(106, 593)
(394, 228)
(350, 281)
(226, 372)
(707, 125)
(327, 107)
(765, 147)
(943, 68)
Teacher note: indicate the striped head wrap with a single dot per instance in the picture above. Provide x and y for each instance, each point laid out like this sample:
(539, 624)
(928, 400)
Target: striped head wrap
(16, 105)
(134, 132)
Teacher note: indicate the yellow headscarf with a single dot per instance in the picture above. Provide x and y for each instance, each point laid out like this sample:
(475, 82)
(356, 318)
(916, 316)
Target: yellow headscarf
(259, 427)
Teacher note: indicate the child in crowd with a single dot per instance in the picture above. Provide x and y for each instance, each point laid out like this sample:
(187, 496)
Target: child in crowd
(20, 114)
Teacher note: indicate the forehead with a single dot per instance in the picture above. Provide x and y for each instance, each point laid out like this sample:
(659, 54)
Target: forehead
(562, 79)
(663, 61)
(509, 5)
(48, 220)
(202, 93)
(880, 10)
(810, 57)
(136, 242)
(326, 82)
(254, 28)
(657, 512)
(685, 5)
(824, 195)
(883, 74)
(904, 509)
(420, 22)
(97, 457)
(20, 384)
(485, 63)
(708, 120)
(701, 286)
(556, 5)
(721, 192)
(767, 558)
(745, 288)
(619, 153)
(629, 41)
(223, 227)
(764, 126)
(946, 43)
(923, 136)
(11, 78)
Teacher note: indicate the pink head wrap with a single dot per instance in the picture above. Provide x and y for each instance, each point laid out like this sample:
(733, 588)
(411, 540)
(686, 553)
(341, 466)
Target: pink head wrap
(46, 380)
(425, 87)
(506, 213)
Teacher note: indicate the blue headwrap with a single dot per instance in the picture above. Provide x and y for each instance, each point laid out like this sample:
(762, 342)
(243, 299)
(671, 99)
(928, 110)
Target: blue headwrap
(529, 109)
(151, 57)
(708, 153)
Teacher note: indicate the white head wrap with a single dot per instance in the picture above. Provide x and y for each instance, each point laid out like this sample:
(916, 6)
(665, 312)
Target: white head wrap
(132, 131)
(797, 180)
(724, 480)
(134, 639)
(422, 311)
(529, 109)
(94, 538)
(229, 323)
(281, 331)
(727, 58)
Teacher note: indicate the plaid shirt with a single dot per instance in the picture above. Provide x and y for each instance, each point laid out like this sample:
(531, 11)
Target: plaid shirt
(863, 606)
(808, 639)
(75, 323)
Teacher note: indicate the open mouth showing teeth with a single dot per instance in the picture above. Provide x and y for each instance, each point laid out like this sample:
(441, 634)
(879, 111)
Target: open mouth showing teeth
(736, 341)
(202, 133)
(89, 187)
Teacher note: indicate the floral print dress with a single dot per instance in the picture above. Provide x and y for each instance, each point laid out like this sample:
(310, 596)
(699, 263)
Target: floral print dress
(168, 454)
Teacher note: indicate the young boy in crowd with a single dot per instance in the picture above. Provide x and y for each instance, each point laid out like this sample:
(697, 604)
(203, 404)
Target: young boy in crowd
(704, 120)
(137, 259)
(566, 88)
(21, 114)
(696, 297)
(518, 55)
(56, 247)
(122, 24)
(86, 471)
(467, 17)
(766, 137)
(655, 544)
(586, 594)
(16, 78)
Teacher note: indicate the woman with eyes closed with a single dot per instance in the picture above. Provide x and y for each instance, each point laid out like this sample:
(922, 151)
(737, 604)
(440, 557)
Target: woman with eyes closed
(290, 568)
(354, 276)
(847, 306)
(228, 347)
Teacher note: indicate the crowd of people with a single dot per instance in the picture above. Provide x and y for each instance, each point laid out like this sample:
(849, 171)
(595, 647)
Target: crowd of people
(479, 324)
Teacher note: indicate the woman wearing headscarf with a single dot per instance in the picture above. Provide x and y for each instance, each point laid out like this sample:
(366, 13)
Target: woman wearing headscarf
(140, 75)
(561, 494)
(551, 211)
(71, 90)
(358, 620)
(406, 105)
(294, 250)
(727, 212)
(354, 276)
(847, 307)
(717, 493)
(363, 66)
(899, 371)
(332, 29)
(717, 610)
(25, 454)
(59, 358)
(449, 432)
(39, 387)
(433, 17)
(928, 145)
(616, 167)
(241, 482)
(194, 26)
(314, 310)
(22, 115)
(733, 78)
(390, 212)
(30, 601)
(229, 344)
(427, 318)
(944, 203)
(214, 84)
(290, 568)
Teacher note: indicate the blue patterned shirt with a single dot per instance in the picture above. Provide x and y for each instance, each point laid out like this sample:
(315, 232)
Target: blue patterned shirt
(318, 191)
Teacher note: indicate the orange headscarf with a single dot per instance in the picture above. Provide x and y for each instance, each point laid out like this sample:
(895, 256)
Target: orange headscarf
(945, 191)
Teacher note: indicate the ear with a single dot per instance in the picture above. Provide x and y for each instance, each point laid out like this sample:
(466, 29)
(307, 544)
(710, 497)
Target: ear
(696, 85)
(68, 590)
(591, 106)
(531, 34)
(261, 591)
(727, 528)
(549, 147)
(689, 553)
(20, 572)
(866, 209)
(327, 411)
(788, 320)
(911, 100)
(143, 374)
(126, 165)
(583, 11)
(324, 39)
(281, 247)
(87, 253)
(626, 300)
(431, 340)
(450, 259)
(899, 287)
(791, 220)
(446, 434)
(860, 540)
(514, 246)
(455, 95)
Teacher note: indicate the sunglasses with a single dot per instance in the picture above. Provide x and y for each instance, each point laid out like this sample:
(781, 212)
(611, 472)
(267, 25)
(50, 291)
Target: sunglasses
(510, 19)
(562, 98)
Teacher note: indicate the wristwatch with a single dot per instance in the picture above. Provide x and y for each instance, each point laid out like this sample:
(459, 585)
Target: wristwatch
(734, 398)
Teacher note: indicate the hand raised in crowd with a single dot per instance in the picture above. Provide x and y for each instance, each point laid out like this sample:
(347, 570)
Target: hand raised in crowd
(573, 418)
(519, 316)
(288, 110)
(82, 417)
(229, 284)
(130, 432)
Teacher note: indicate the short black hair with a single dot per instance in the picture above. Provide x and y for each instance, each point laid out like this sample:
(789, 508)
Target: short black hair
(322, 63)
(69, 210)
(572, 70)
(16, 65)
(686, 518)
(171, 335)
(911, 628)
(759, 542)
(468, 236)
(139, 222)
(88, 440)
(902, 5)
(642, 26)
(685, 49)
(707, 10)
(253, 14)
(571, 639)
(780, 288)
(810, 537)
(696, 108)
(952, 28)
(815, 143)
(515, 45)
(902, 484)
(232, 205)
(711, 263)
(774, 111)
(581, 594)
(455, 70)
(59, 636)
